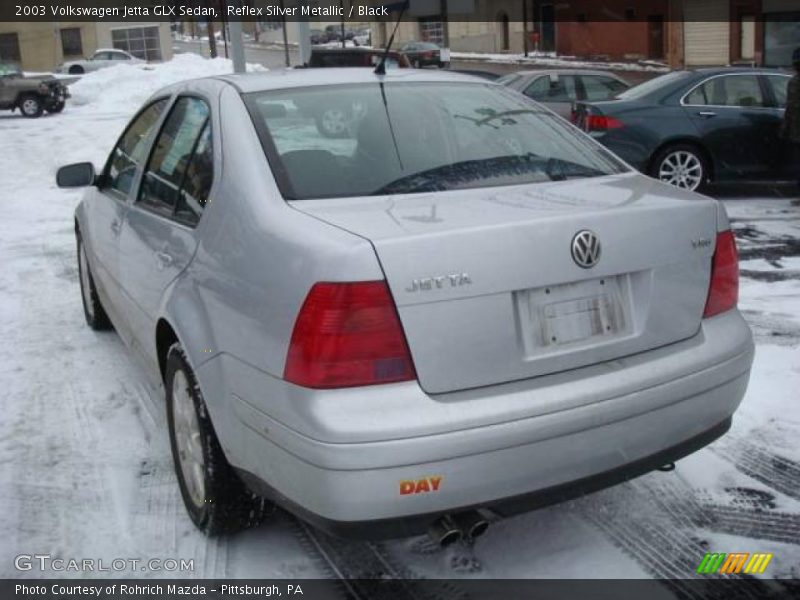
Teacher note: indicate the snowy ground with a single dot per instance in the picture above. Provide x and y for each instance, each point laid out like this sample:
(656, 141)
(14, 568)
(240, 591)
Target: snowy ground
(85, 470)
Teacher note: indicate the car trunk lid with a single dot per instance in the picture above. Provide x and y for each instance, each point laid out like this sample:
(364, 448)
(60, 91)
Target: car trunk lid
(488, 290)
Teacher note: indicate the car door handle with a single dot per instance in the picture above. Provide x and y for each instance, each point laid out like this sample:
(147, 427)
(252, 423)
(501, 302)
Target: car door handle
(164, 260)
(707, 114)
(116, 226)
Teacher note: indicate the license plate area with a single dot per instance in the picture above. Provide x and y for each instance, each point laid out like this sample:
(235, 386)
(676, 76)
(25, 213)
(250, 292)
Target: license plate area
(572, 315)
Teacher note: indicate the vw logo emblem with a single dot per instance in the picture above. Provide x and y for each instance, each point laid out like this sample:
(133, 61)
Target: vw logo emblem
(585, 249)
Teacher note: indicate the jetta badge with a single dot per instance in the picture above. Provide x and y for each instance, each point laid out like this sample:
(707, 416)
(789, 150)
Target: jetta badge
(585, 249)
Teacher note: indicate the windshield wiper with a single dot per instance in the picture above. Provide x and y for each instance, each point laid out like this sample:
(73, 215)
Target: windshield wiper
(462, 173)
(441, 178)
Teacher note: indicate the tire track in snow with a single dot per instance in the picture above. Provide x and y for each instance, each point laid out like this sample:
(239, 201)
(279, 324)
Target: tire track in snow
(773, 470)
(366, 571)
(665, 541)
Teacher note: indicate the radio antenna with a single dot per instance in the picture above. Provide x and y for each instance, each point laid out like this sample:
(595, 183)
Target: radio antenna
(381, 68)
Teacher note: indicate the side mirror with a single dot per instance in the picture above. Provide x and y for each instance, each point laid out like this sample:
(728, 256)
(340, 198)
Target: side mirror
(77, 175)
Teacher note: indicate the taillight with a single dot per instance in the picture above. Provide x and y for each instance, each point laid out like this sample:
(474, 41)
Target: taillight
(347, 335)
(723, 291)
(601, 123)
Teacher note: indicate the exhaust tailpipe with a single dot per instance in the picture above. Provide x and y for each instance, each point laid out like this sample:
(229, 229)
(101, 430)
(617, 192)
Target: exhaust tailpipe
(471, 524)
(444, 532)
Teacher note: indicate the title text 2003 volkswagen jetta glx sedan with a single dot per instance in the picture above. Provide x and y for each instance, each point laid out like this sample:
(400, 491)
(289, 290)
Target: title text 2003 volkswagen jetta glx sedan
(461, 309)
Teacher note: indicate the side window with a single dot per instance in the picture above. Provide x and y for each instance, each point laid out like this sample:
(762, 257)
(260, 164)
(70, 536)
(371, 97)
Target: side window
(730, 90)
(780, 88)
(601, 88)
(197, 182)
(101, 56)
(545, 89)
(170, 161)
(131, 150)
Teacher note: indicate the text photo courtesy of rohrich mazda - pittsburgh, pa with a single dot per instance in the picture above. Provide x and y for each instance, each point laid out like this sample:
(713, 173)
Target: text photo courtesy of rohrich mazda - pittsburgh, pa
(400, 299)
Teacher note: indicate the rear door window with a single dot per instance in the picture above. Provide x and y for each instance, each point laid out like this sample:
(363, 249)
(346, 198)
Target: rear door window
(171, 167)
(547, 89)
(597, 87)
(780, 88)
(729, 90)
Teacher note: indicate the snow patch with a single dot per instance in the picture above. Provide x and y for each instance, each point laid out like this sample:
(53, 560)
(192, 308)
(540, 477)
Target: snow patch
(125, 87)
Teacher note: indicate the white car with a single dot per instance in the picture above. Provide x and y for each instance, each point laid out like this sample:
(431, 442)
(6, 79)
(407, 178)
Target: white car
(104, 57)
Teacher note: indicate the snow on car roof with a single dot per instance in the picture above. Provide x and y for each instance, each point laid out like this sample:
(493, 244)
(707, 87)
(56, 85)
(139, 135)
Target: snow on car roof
(287, 78)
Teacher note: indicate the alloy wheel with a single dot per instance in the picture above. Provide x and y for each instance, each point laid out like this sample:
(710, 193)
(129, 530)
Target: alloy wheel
(681, 168)
(188, 438)
(334, 121)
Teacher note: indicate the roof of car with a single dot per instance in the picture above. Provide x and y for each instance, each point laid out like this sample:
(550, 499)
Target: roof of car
(723, 70)
(349, 50)
(566, 72)
(289, 78)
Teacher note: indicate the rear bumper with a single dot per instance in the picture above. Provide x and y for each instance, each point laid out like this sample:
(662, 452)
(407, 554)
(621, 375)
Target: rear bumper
(505, 507)
(559, 436)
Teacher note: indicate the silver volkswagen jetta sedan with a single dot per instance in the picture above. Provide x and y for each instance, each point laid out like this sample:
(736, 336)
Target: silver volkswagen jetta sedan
(462, 309)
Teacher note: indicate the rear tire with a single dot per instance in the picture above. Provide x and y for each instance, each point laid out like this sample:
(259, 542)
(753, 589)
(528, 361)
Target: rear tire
(93, 310)
(215, 498)
(682, 165)
(30, 105)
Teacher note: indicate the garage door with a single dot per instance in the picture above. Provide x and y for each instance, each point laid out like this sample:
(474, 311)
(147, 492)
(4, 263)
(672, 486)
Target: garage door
(706, 33)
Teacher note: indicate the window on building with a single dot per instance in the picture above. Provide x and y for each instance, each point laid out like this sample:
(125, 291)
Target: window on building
(142, 42)
(781, 32)
(71, 44)
(9, 47)
(431, 30)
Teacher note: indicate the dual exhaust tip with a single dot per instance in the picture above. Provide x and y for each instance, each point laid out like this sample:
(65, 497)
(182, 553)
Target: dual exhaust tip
(450, 529)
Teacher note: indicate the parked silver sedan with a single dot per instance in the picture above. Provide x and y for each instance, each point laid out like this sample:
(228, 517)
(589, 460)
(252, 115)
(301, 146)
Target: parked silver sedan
(102, 58)
(462, 309)
(559, 89)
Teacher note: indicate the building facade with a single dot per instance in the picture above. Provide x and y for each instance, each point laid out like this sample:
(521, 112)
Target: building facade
(39, 46)
(681, 33)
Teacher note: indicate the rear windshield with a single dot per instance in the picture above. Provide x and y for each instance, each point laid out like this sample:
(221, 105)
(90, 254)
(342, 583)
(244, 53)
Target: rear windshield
(654, 85)
(393, 138)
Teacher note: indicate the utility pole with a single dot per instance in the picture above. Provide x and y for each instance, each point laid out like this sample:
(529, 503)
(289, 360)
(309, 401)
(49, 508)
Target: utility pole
(341, 8)
(285, 35)
(445, 24)
(525, 25)
(212, 41)
(237, 46)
